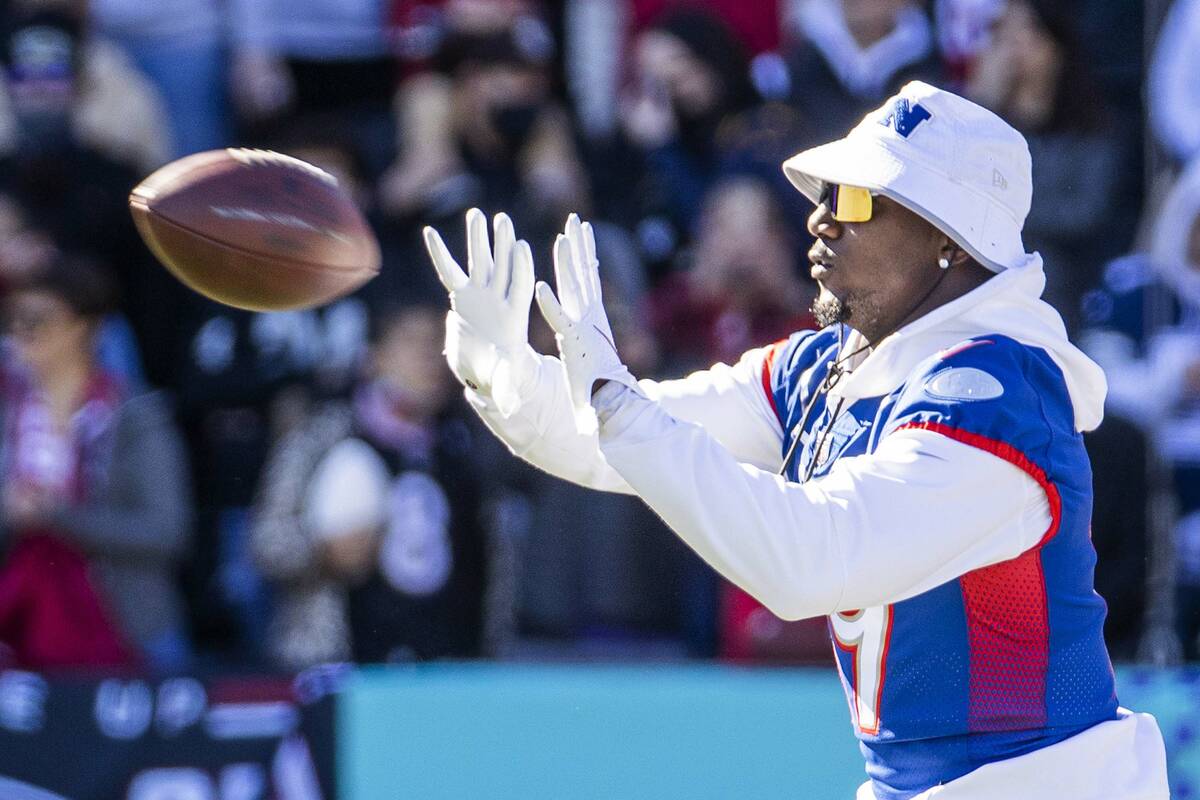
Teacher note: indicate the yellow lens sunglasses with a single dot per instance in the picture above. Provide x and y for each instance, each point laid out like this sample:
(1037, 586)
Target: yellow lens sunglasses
(848, 203)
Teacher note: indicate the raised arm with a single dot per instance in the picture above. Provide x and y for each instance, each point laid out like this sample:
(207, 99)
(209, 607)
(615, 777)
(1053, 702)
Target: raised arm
(877, 529)
(525, 398)
(728, 401)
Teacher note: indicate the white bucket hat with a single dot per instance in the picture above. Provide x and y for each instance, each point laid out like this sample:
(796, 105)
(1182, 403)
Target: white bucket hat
(953, 162)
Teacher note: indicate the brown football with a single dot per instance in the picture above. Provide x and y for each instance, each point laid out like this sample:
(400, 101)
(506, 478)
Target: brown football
(255, 229)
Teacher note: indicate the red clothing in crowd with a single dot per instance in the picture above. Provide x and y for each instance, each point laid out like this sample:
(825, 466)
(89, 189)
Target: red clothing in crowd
(757, 24)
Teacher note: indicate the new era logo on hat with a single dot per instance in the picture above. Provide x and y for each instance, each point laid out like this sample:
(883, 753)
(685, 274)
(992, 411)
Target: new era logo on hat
(947, 159)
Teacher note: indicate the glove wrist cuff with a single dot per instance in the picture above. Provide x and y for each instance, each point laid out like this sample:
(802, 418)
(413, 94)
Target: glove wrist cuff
(619, 374)
(515, 378)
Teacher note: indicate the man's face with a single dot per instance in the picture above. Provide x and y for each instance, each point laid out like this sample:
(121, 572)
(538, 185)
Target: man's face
(872, 274)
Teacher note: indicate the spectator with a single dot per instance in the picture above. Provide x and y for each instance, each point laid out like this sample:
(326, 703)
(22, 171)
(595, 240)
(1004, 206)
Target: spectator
(851, 54)
(1174, 85)
(744, 288)
(691, 81)
(493, 133)
(232, 368)
(24, 250)
(96, 508)
(302, 57)
(595, 33)
(963, 28)
(368, 520)
(59, 80)
(63, 179)
(1033, 75)
(178, 45)
(1143, 327)
(757, 25)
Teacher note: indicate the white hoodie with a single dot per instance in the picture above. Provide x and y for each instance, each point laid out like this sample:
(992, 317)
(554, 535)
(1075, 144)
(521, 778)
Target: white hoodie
(812, 549)
(919, 511)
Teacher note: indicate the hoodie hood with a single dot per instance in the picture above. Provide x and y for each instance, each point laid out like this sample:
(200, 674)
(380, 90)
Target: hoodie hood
(1008, 304)
(1169, 249)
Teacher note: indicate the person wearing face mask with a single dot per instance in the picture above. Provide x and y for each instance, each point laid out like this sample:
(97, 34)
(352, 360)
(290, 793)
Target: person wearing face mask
(368, 519)
(482, 126)
(689, 98)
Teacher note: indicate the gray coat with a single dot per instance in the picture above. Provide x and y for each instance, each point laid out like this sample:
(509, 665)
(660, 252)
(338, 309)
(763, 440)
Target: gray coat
(137, 528)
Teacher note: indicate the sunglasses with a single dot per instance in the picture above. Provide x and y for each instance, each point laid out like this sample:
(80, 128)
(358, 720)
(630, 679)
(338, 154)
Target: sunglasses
(848, 203)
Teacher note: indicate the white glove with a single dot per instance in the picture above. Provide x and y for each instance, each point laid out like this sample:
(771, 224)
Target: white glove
(487, 329)
(585, 340)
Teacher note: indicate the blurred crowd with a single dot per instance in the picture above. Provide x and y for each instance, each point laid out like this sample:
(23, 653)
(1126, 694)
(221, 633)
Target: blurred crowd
(187, 486)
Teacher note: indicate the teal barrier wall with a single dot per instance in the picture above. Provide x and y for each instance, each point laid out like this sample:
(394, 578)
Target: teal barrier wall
(1173, 697)
(489, 731)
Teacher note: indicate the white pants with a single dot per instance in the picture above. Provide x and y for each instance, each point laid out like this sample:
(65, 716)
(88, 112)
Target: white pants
(1123, 759)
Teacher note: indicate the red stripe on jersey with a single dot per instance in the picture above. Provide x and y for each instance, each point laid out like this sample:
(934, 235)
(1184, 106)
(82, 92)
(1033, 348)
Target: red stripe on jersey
(1008, 628)
(959, 348)
(1008, 635)
(768, 363)
(1010, 454)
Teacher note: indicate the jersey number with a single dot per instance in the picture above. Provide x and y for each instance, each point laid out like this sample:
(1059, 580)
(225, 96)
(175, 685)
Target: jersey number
(865, 634)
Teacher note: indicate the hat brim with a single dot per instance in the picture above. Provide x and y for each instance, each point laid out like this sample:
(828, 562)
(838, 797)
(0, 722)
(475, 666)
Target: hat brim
(874, 167)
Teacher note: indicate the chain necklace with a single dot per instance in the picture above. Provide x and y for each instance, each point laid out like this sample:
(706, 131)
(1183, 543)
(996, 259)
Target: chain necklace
(834, 372)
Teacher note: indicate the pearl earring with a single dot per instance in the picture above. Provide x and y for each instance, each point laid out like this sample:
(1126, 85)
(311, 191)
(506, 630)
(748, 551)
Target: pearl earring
(944, 262)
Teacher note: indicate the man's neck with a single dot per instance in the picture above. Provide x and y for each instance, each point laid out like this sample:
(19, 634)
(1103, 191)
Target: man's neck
(953, 284)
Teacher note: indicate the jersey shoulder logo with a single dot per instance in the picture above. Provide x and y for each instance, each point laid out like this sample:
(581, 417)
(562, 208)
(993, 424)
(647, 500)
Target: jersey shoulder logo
(963, 383)
(905, 117)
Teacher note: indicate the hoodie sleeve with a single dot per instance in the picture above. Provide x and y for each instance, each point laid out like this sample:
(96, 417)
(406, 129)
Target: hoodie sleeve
(957, 481)
(735, 403)
(876, 529)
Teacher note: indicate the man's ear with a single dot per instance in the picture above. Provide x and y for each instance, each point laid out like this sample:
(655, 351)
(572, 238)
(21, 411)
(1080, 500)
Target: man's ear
(953, 253)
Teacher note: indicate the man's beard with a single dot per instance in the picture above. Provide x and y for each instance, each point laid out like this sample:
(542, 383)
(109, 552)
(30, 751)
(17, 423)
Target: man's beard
(860, 311)
(828, 310)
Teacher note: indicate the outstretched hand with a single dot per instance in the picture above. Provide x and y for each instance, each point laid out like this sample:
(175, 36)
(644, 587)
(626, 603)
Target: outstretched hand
(487, 329)
(585, 340)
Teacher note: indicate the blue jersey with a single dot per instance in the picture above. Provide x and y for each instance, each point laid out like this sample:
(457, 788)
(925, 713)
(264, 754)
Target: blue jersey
(1003, 660)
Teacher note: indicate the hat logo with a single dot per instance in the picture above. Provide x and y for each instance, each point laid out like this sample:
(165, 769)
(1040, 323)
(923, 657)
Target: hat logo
(998, 179)
(905, 117)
